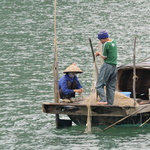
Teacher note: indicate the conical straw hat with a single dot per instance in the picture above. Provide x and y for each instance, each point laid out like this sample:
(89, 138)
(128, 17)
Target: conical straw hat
(73, 68)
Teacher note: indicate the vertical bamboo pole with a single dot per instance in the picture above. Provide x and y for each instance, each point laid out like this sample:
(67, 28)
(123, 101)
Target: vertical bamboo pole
(134, 72)
(55, 69)
(55, 59)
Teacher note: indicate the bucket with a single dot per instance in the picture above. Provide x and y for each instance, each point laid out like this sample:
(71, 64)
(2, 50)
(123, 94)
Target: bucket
(126, 93)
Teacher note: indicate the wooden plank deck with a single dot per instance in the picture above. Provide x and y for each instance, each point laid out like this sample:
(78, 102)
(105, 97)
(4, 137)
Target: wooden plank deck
(96, 110)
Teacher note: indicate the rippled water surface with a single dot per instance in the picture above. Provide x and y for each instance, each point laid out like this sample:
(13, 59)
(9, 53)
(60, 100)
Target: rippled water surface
(26, 62)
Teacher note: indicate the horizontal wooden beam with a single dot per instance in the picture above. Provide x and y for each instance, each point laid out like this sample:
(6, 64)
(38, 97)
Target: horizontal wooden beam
(81, 109)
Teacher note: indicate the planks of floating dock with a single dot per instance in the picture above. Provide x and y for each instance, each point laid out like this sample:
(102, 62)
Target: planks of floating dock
(96, 110)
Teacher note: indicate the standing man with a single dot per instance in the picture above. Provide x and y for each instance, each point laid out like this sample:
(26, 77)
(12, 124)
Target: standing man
(108, 72)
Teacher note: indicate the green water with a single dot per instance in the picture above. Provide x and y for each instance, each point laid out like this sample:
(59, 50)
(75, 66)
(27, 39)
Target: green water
(26, 61)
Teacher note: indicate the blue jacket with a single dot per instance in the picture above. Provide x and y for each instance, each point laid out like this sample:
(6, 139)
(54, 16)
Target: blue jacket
(63, 84)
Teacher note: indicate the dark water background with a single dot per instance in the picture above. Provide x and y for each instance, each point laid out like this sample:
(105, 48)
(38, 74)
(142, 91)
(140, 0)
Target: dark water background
(26, 61)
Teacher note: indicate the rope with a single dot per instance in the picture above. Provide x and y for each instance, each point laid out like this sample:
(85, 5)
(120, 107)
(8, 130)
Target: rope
(89, 117)
(135, 77)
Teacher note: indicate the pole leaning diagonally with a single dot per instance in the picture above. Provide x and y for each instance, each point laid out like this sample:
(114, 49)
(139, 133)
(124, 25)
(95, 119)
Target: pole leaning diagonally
(95, 65)
(93, 58)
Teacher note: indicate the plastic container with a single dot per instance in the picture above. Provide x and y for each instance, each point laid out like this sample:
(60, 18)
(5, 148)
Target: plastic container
(126, 93)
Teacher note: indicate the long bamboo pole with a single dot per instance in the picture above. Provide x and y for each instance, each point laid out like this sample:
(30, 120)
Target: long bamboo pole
(56, 94)
(94, 60)
(55, 69)
(144, 122)
(134, 72)
(144, 59)
(95, 65)
(89, 117)
(124, 118)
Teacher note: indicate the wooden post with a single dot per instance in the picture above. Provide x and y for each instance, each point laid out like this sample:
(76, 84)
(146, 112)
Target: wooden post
(56, 91)
(134, 72)
(56, 94)
(55, 69)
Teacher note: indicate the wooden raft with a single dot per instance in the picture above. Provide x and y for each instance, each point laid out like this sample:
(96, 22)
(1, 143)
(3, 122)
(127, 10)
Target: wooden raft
(96, 110)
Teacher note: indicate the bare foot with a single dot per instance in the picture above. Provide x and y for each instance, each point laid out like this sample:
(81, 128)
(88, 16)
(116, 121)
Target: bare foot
(142, 103)
(102, 103)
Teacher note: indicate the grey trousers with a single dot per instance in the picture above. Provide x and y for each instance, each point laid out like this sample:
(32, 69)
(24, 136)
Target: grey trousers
(107, 77)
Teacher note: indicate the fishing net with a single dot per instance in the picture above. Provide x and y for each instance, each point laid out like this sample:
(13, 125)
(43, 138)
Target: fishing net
(119, 99)
(122, 100)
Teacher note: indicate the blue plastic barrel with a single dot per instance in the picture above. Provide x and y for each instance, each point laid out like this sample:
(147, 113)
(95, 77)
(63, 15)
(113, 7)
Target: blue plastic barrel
(126, 93)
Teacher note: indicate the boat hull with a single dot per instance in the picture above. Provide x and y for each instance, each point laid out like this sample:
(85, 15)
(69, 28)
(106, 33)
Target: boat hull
(100, 114)
(108, 120)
